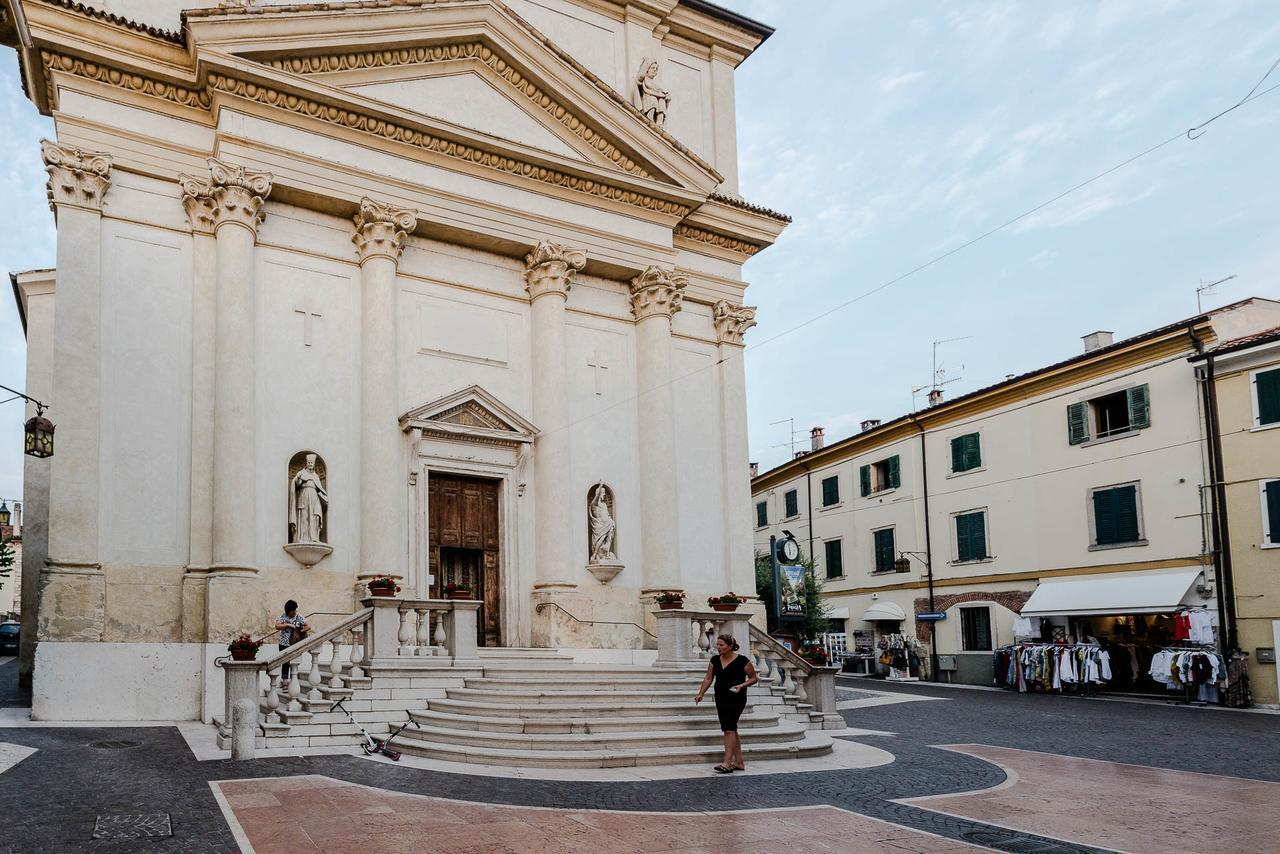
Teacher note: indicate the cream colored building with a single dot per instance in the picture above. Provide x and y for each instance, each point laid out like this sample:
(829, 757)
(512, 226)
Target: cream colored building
(1089, 471)
(1243, 379)
(356, 288)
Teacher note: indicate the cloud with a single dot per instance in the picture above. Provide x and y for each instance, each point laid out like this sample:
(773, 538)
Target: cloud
(899, 81)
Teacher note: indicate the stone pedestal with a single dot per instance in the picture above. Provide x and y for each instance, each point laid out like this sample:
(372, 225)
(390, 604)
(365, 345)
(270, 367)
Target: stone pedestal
(381, 640)
(460, 626)
(242, 683)
(553, 627)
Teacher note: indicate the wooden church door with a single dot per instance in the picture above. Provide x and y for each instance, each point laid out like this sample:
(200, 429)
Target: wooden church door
(463, 545)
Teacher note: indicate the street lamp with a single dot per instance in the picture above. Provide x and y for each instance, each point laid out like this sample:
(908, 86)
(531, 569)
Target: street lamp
(4, 513)
(39, 430)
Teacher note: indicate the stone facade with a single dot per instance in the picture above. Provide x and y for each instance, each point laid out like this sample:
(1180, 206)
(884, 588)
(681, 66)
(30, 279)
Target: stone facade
(468, 252)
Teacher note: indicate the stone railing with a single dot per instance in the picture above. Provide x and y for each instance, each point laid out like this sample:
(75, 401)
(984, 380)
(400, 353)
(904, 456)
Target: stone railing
(687, 637)
(809, 683)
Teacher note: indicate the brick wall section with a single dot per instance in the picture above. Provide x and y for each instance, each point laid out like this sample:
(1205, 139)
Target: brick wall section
(1011, 599)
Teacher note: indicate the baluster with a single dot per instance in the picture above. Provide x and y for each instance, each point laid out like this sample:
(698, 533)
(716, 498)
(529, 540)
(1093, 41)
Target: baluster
(802, 693)
(761, 662)
(357, 642)
(788, 684)
(440, 638)
(424, 631)
(273, 692)
(314, 678)
(712, 627)
(295, 688)
(704, 645)
(335, 664)
(406, 633)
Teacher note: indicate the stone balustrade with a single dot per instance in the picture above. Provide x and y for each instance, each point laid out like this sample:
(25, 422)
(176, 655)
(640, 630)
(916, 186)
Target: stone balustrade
(686, 637)
(809, 683)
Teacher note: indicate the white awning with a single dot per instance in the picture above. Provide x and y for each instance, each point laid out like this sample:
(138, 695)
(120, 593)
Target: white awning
(838, 613)
(1146, 592)
(883, 611)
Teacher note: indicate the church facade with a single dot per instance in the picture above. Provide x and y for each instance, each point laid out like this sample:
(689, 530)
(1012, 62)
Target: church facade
(446, 290)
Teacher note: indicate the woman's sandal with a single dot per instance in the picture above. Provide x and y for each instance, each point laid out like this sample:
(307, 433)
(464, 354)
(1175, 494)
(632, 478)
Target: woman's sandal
(723, 769)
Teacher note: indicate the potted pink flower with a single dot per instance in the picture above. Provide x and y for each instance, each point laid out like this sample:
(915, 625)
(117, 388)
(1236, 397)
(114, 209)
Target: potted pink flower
(726, 601)
(244, 648)
(383, 585)
(670, 600)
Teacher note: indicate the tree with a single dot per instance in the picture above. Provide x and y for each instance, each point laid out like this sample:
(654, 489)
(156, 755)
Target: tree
(764, 589)
(815, 620)
(6, 560)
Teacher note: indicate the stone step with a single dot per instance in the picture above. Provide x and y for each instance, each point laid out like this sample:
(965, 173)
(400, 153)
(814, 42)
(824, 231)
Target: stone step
(573, 670)
(608, 697)
(448, 720)
(573, 709)
(783, 731)
(521, 653)
(685, 683)
(812, 744)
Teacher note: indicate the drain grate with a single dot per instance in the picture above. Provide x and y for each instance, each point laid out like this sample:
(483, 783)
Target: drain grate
(115, 744)
(1015, 842)
(151, 825)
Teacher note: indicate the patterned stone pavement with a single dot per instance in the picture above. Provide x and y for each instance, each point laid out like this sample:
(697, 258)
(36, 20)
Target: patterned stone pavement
(92, 773)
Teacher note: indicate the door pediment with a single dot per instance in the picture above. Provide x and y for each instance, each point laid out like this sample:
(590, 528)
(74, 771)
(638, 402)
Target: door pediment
(473, 415)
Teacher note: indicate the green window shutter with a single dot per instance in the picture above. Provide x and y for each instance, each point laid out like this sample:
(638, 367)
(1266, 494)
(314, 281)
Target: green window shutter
(972, 452)
(1126, 504)
(895, 478)
(963, 540)
(1078, 423)
(1267, 388)
(884, 550)
(762, 514)
(864, 479)
(1104, 517)
(1139, 406)
(1273, 511)
(978, 535)
(831, 491)
(835, 559)
(957, 453)
(792, 501)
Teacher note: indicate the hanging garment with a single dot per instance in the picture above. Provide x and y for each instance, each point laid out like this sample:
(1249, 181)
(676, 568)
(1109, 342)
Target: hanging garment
(1104, 663)
(1201, 626)
(1161, 664)
(1181, 627)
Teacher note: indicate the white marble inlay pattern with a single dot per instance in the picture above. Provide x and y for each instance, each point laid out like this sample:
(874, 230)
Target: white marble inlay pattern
(12, 754)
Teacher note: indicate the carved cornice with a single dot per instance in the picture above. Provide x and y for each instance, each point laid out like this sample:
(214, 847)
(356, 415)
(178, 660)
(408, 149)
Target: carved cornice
(714, 238)
(743, 204)
(425, 54)
(549, 269)
(657, 292)
(77, 178)
(197, 201)
(118, 20)
(239, 195)
(125, 80)
(441, 145)
(732, 321)
(381, 230)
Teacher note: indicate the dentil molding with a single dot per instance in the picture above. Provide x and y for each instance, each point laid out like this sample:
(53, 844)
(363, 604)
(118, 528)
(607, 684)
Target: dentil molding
(239, 194)
(732, 321)
(657, 292)
(76, 177)
(381, 230)
(549, 269)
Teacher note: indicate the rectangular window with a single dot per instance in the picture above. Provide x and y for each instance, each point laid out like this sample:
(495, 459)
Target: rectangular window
(792, 502)
(1115, 515)
(975, 629)
(885, 553)
(971, 536)
(830, 490)
(877, 477)
(1271, 512)
(835, 558)
(966, 453)
(1109, 415)
(762, 514)
(1266, 397)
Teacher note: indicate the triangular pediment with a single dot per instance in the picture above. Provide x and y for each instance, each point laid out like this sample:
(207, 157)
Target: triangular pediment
(473, 414)
(472, 64)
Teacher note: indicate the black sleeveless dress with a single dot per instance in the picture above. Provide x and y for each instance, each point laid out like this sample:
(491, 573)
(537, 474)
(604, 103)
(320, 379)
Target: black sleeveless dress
(729, 705)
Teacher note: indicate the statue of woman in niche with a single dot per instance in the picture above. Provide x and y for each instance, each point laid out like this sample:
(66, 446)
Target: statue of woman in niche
(309, 501)
(651, 99)
(603, 530)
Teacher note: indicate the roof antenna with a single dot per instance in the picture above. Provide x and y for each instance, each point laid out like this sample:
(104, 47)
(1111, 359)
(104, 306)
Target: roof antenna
(939, 373)
(1207, 288)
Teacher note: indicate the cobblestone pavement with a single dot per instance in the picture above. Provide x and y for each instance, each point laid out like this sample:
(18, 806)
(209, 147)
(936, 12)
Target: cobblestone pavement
(53, 800)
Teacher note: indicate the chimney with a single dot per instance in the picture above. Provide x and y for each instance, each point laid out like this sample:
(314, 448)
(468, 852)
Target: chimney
(755, 470)
(935, 396)
(870, 424)
(1097, 340)
(816, 439)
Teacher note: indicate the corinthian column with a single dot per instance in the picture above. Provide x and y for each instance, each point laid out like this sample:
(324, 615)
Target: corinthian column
(732, 322)
(379, 238)
(655, 296)
(238, 198)
(78, 180)
(548, 277)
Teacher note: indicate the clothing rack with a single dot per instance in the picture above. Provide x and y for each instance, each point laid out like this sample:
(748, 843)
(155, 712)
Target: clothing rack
(1189, 687)
(1042, 667)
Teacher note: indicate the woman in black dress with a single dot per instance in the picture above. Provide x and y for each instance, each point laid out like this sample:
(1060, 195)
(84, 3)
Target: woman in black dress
(733, 675)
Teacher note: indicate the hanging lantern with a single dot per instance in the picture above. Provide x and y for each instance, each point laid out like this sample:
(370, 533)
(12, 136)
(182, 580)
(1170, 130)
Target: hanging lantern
(39, 437)
(4, 513)
(902, 564)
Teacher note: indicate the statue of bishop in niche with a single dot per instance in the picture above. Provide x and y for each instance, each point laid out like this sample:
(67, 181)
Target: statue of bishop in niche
(309, 501)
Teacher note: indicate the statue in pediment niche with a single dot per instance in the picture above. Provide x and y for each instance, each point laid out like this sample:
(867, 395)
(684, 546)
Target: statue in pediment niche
(603, 530)
(650, 98)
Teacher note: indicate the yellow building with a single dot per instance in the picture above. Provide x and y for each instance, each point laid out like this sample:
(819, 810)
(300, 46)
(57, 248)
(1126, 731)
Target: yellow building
(1241, 378)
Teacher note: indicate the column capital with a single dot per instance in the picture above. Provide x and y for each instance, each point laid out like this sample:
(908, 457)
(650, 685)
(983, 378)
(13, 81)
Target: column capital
(381, 230)
(549, 269)
(732, 321)
(76, 177)
(657, 292)
(238, 194)
(197, 201)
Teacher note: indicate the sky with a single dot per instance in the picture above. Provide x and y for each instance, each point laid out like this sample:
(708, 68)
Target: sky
(895, 132)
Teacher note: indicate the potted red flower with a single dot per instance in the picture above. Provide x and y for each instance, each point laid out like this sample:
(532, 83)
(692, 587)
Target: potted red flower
(726, 601)
(383, 585)
(457, 591)
(670, 600)
(244, 648)
(815, 654)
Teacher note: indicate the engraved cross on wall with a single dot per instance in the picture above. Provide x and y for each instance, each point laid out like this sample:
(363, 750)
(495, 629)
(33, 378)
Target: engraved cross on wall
(307, 313)
(599, 367)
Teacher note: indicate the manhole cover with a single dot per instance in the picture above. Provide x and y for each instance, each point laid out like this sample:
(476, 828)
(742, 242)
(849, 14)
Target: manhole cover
(151, 825)
(117, 744)
(1014, 842)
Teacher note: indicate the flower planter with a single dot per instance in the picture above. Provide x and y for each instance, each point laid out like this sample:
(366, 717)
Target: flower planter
(670, 606)
(382, 591)
(458, 594)
(724, 606)
(243, 654)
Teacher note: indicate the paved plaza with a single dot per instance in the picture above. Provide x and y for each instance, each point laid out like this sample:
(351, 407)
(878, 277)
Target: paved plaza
(971, 770)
